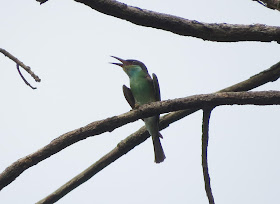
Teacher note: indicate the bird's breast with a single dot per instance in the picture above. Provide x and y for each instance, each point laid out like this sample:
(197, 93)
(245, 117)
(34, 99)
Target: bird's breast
(142, 90)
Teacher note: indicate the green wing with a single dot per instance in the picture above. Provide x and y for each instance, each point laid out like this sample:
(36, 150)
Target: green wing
(129, 96)
(156, 87)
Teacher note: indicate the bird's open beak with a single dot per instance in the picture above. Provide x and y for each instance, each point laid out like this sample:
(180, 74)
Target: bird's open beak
(123, 62)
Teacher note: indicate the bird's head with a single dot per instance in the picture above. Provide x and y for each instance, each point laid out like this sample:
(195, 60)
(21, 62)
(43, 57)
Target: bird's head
(131, 66)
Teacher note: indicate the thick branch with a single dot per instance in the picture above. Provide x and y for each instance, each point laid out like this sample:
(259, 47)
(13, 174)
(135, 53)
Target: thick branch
(17, 61)
(195, 102)
(14, 170)
(206, 31)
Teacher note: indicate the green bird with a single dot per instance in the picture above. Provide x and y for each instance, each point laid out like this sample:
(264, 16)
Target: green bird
(143, 89)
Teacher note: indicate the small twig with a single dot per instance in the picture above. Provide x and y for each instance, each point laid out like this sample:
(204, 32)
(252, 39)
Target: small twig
(18, 62)
(205, 138)
(24, 78)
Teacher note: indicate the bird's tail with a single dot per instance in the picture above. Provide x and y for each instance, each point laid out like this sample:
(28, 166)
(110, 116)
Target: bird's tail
(152, 127)
(159, 153)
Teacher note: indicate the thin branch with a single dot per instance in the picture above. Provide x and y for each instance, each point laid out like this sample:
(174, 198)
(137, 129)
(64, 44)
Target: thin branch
(205, 138)
(18, 62)
(268, 75)
(181, 26)
(195, 102)
(15, 169)
(121, 149)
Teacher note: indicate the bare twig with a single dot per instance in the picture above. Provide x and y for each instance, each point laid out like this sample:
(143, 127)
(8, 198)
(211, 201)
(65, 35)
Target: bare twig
(206, 31)
(15, 169)
(19, 63)
(205, 138)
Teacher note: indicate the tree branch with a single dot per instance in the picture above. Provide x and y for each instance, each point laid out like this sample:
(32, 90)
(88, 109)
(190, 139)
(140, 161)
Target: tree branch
(181, 26)
(269, 75)
(194, 102)
(121, 149)
(15, 169)
(205, 138)
(206, 31)
(17, 61)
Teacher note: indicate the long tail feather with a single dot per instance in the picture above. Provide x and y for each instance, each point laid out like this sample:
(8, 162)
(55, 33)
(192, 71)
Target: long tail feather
(159, 153)
(152, 127)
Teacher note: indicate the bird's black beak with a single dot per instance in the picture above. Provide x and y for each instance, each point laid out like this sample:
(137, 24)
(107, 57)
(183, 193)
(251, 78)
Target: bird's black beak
(123, 62)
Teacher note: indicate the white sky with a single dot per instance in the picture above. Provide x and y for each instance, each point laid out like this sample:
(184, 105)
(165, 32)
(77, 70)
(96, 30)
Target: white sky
(68, 45)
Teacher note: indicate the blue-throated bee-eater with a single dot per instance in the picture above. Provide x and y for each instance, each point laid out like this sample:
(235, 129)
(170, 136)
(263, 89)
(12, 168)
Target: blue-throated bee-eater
(143, 89)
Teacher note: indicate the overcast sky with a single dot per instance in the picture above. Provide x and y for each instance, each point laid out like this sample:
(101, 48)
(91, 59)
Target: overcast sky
(69, 46)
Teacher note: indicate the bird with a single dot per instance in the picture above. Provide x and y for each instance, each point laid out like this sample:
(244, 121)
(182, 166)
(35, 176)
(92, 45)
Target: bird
(143, 90)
